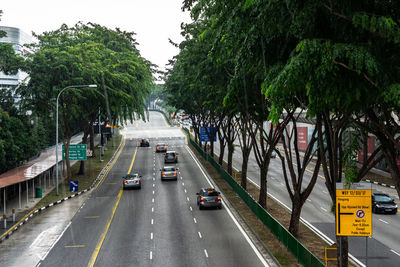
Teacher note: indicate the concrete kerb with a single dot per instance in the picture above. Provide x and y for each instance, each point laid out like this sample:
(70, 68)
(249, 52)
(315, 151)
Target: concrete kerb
(381, 184)
(33, 212)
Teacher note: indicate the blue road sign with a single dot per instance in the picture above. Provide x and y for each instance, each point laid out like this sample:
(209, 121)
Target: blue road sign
(204, 136)
(73, 186)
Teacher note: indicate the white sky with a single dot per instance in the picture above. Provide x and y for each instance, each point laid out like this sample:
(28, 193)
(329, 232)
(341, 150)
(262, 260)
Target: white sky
(153, 21)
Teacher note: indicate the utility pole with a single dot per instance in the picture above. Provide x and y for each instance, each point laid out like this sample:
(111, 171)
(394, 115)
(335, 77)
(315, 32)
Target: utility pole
(108, 108)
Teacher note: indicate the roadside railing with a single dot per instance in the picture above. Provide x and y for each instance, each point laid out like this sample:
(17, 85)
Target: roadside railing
(302, 254)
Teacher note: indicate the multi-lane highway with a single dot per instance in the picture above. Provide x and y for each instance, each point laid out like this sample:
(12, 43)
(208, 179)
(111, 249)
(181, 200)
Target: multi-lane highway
(158, 225)
(383, 247)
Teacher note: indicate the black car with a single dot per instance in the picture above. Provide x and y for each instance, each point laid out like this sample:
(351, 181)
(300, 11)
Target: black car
(382, 203)
(171, 157)
(144, 142)
(209, 198)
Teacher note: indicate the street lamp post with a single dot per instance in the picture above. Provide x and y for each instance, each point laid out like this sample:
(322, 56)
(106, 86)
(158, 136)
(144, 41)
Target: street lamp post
(58, 96)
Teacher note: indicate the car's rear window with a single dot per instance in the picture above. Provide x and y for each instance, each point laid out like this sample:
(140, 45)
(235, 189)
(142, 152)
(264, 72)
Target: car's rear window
(161, 145)
(130, 176)
(210, 193)
(169, 169)
(170, 155)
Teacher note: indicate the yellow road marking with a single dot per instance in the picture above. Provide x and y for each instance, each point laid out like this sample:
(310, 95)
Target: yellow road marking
(75, 246)
(133, 159)
(92, 217)
(103, 235)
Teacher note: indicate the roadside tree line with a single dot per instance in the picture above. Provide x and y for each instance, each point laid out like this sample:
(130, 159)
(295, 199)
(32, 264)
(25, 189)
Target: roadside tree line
(80, 55)
(243, 63)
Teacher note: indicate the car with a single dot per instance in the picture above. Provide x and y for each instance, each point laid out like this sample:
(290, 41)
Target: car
(161, 148)
(144, 142)
(209, 198)
(169, 173)
(132, 181)
(171, 157)
(383, 203)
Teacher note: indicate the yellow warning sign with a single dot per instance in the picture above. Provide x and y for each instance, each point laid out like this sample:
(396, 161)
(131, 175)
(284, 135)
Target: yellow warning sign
(353, 212)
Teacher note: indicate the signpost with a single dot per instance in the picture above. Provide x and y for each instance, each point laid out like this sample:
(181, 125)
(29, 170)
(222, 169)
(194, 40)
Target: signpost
(73, 186)
(354, 212)
(204, 136)
(76, 152)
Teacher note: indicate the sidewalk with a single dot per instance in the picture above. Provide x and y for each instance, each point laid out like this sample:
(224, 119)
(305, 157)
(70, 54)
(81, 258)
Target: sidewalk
(33, 168)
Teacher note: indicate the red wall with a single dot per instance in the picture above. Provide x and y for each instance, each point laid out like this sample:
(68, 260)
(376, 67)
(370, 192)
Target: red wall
(370, 148)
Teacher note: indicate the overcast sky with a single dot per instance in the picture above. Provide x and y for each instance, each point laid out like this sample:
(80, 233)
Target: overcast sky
(154, 21)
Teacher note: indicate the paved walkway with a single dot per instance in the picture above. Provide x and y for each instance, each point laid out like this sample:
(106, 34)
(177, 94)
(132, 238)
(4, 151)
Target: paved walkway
(25, 175)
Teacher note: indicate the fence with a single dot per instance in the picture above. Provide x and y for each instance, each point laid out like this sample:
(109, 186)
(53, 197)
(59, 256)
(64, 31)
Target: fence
(303, 255)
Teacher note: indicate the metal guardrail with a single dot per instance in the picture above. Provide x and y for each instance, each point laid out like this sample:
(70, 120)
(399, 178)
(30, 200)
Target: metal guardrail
(302, 254)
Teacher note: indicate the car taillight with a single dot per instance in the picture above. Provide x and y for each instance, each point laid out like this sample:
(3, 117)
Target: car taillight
(125, 181)
(138, 182)
(162, 174)
(174, 173)
(202, 199)
(218, 198)
(158, 148)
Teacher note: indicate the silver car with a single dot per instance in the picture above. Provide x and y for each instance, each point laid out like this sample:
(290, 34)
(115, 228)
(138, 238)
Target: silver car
(169, 173)
(132, 181)
(209, 198)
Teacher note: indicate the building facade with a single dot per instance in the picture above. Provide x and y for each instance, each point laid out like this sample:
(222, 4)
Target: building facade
(17, 38)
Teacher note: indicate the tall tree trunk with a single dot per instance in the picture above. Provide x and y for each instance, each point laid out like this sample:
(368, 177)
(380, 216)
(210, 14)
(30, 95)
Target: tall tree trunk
(263, 187)
(231, 149)
(221, 153)
(295, 216)
(245, 163)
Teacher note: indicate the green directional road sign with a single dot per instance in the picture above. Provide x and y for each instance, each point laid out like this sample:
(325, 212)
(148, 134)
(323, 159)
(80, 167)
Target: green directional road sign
(76, 152)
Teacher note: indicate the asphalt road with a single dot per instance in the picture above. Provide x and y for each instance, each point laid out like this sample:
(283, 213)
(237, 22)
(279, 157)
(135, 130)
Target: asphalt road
(158, 225)
(383, 247)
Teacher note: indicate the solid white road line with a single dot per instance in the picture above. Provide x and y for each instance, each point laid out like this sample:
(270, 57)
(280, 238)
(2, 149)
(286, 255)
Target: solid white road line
(383, 221)
(199, 234)
(395, 252)
(205, 252)
(230, 214)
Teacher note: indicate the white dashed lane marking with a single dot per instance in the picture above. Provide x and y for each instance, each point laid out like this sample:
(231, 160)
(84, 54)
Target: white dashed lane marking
(190, 208)
(323, 209)
(187, 198)
(152, 221)
(200, 235)
(383, 221)
(151, 255)
(205, 252)
(152, 209)
(194, 219)
(151, 236)
(309, 200)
